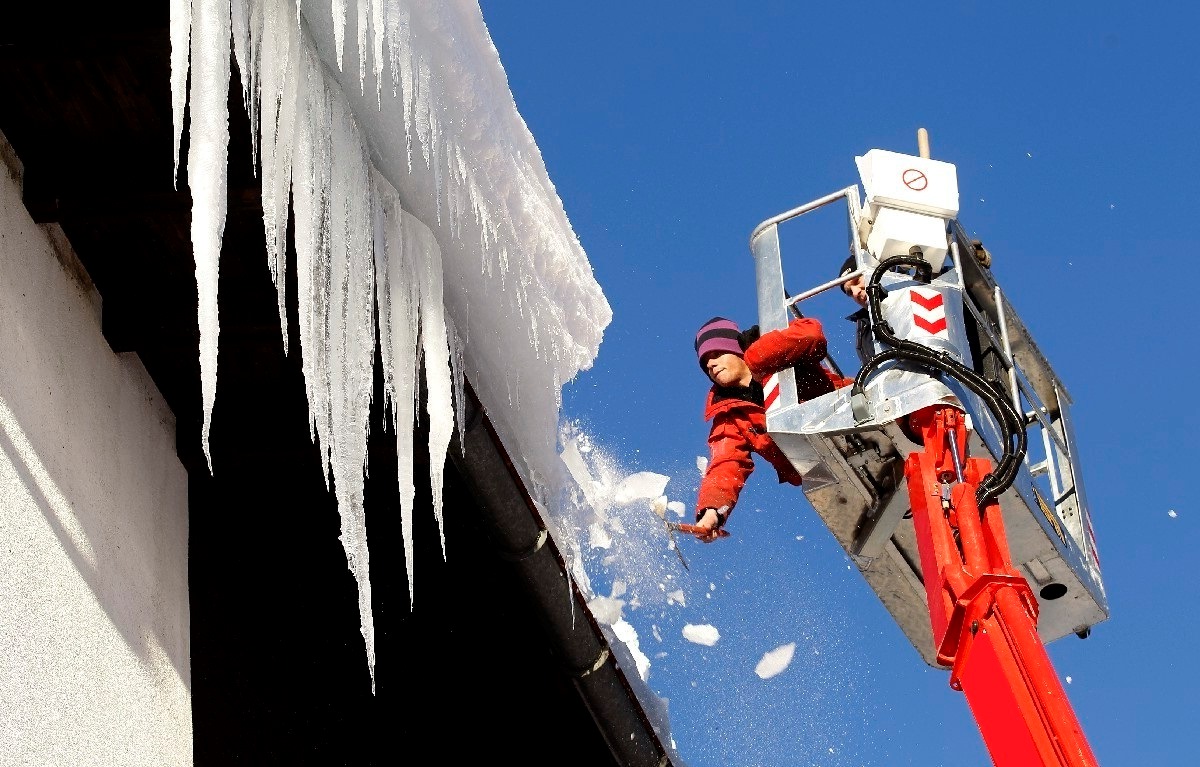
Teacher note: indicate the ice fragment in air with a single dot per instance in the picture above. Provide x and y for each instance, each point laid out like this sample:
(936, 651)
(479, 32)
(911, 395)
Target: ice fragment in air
(598, 537)
(706, 635)
(642, 485)
(573, 458)
(701, 464)
(659, 506)
(775, 661)
(607, 610)
(628, 636)
(1171, 513)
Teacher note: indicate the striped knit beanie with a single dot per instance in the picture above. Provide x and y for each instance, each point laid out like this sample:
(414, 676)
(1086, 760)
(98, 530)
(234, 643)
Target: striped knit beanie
(717, 336)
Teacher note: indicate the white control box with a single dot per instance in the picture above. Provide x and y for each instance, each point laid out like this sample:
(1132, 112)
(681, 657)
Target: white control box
(908, 202)
(901, 181)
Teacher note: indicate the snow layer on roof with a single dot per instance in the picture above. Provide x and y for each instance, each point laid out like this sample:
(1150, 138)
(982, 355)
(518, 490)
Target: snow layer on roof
(450, 139)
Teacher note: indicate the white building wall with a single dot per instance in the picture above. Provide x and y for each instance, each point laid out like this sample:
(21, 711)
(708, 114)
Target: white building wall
(94, 615)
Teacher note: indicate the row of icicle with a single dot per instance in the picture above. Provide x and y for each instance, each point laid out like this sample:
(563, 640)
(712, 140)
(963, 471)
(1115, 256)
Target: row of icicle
(361, 260)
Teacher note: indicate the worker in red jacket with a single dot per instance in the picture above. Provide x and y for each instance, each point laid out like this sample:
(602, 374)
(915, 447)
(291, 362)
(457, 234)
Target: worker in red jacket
(738, 363)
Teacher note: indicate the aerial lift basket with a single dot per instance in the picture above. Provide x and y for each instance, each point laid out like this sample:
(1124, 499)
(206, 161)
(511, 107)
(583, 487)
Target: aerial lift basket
(852, 454)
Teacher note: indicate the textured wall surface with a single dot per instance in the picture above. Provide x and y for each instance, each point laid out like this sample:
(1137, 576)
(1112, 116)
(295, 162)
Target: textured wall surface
(94, 618)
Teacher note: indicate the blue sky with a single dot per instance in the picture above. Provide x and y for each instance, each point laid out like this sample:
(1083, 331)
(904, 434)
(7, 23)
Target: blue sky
(671, 129)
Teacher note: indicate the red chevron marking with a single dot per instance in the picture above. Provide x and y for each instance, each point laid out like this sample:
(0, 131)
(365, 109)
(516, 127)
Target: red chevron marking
(927, 302)
(933, 328)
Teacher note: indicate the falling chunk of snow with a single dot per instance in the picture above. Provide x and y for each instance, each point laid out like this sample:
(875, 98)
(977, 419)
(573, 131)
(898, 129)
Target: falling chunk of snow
(831, 750)
(572, 456)
(1029, 154)
(628, 636)
(799, 537)
(701, 464)
(607, 610)
(1171, 513)
(676, 597)
(701, 634)
(676, 507)
(642, 485)
(659, 506)
(775, 661)
(1112, 206)
(598, 536)
(1068, 680)
(982, 200)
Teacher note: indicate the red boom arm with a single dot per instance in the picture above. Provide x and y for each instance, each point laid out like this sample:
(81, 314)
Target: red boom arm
(983, 613)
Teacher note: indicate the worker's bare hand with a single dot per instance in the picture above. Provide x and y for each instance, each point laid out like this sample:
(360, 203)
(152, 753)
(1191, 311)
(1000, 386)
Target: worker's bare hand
(708, 527)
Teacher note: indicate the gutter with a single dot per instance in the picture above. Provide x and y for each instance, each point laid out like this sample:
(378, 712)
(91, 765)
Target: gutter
(516, 528)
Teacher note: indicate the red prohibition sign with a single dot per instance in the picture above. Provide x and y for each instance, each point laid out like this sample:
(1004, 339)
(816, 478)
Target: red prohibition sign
(915, 180)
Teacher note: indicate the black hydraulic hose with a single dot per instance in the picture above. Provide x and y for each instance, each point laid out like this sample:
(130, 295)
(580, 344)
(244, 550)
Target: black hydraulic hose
(1005, 473)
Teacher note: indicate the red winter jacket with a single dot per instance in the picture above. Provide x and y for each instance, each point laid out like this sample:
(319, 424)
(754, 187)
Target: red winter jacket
(739, 421)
